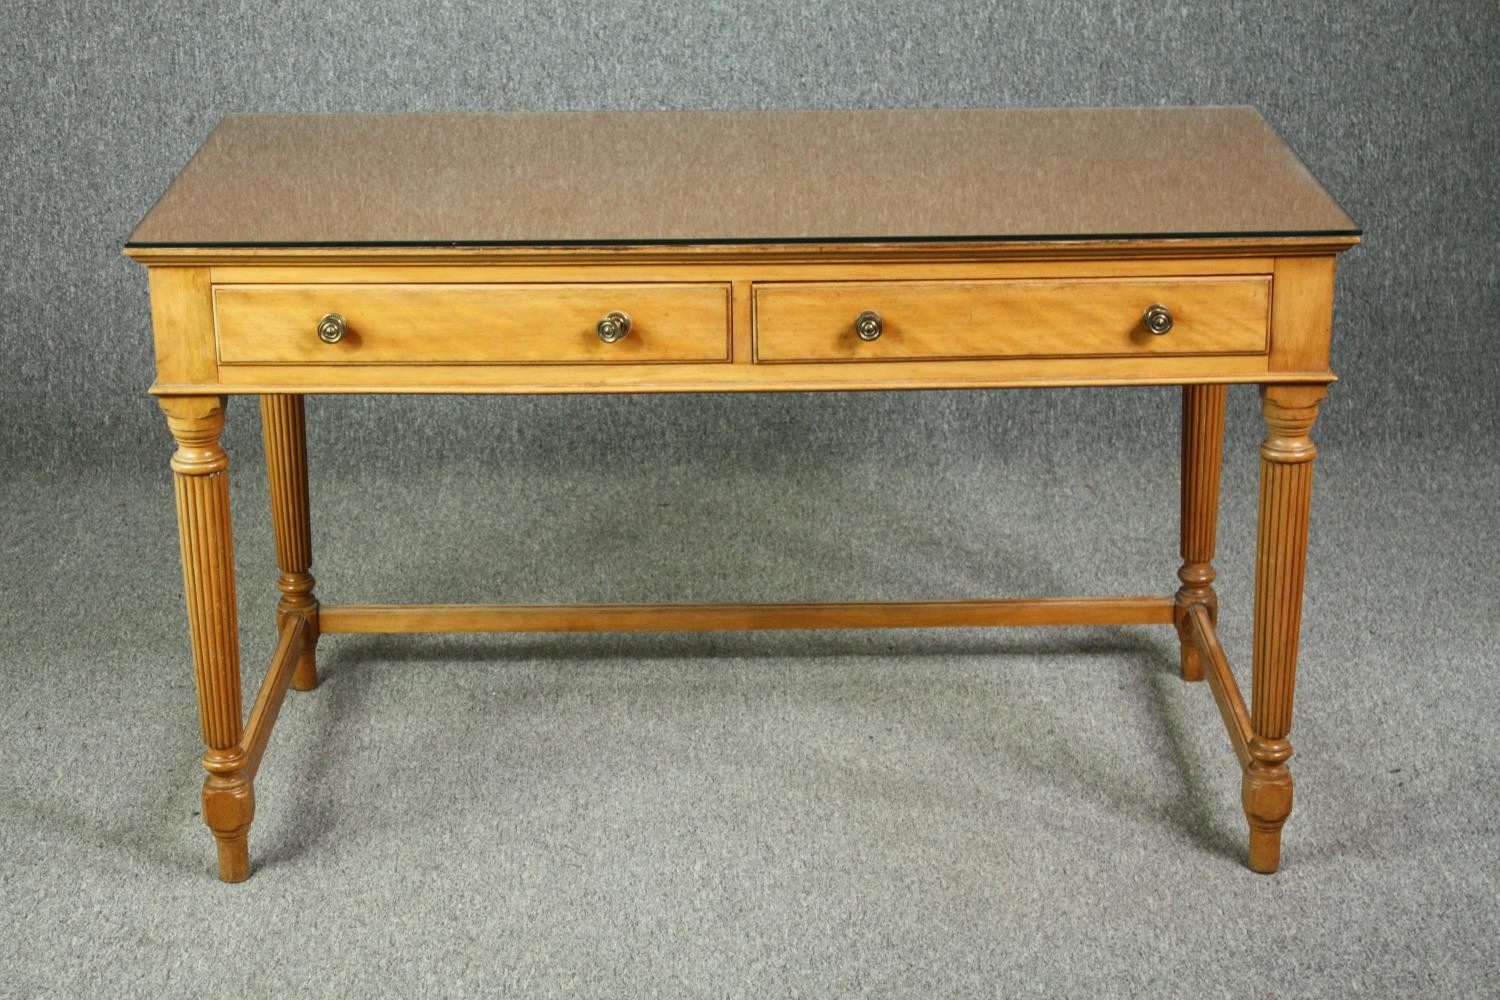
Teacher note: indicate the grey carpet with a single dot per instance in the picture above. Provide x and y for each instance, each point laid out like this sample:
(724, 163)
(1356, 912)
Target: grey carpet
(886, 814)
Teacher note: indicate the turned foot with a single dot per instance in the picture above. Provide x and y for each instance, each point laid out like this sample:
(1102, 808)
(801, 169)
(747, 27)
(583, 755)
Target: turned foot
(228, 809)
(305, 674)
(1266, 792)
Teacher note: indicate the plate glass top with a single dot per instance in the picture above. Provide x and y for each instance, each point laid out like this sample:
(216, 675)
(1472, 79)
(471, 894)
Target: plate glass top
(578, 178)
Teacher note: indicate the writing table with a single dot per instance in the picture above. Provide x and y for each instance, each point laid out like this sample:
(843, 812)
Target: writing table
(741, 251)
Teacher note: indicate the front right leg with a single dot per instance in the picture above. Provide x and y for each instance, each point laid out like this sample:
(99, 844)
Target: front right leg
(201, 477)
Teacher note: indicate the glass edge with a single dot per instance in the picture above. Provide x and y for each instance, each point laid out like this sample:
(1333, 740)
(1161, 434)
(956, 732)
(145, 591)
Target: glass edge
(745, 241)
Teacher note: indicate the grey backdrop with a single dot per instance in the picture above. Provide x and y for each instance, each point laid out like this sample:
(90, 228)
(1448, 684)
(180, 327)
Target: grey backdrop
(939, 813)
(1393, 106)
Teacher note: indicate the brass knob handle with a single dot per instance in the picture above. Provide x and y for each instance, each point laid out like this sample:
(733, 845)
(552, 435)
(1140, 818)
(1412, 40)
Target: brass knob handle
(331, 328)
(868, 325)
(614, 326)
(1157, 319)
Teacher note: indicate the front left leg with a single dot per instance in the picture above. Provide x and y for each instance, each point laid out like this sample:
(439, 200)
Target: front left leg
(200, 471)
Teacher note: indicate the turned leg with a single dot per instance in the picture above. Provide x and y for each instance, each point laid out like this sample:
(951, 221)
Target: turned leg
(1286, 465)
(200, 473)
(286, 469)
(1202, 456)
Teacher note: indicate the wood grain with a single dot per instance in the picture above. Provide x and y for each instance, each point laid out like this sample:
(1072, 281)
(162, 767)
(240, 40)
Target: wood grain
(694, 265)
(200, 473)
(1302, 313)
(814, 321)
(1014, 373)
(471, 324)
(407, 295)
(290, 645)
(1202, 460)
(1280, 562)
(712, 617)
(283, 423)
(1205, 639)
(181, 321)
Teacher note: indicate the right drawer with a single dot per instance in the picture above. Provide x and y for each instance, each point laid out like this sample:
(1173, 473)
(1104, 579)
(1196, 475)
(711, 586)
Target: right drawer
(979, 320)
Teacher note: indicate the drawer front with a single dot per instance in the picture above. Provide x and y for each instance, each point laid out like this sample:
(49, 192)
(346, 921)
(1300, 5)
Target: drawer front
(978, 320)
(457, 324)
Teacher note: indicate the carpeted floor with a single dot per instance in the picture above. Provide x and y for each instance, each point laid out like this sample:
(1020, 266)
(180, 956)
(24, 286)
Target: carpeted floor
(884, 814)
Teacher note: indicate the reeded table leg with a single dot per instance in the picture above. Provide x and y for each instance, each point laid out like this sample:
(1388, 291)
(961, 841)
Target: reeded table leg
(200, 473)
(1202, 457)
(284, 424)
(1286, 467)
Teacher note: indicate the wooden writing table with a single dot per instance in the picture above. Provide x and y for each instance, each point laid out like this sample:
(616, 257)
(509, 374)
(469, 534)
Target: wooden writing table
(741, 251)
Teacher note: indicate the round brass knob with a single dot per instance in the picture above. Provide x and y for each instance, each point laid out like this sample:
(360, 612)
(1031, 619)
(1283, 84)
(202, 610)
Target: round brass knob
(1157, 319)
(331, 328)
(614, 326)
(868, 325)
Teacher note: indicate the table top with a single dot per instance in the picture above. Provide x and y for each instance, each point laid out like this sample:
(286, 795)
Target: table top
(685, 177)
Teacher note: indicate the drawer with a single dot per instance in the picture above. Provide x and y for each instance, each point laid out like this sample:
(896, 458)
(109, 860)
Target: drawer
(471, 323)
(978, 320)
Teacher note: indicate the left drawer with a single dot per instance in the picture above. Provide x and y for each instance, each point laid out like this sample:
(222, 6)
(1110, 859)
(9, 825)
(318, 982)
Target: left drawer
(471, 323)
